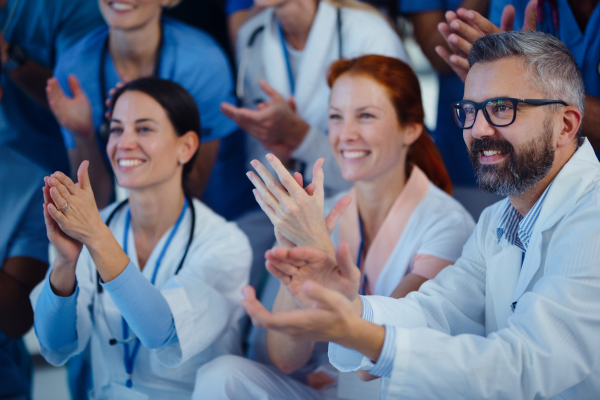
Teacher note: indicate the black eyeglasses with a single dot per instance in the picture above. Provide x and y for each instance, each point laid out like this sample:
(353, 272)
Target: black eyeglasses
(501, 111)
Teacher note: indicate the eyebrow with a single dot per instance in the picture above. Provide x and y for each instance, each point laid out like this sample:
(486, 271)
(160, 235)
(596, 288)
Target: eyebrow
(358, 109)
(136, 121)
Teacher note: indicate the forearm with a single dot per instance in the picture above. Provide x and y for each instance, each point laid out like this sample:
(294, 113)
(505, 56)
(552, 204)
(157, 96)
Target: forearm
(410, 283)
(143, 307)
(199, 176)
(86, 148)
(108, 255)
(285, 353)
(591, 121)
(16, 315)
(31, 78)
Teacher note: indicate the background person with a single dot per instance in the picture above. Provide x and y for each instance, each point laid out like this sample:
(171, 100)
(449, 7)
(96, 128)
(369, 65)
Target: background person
(170, 268)
(138, 42)
(517, 315)
(401, 227)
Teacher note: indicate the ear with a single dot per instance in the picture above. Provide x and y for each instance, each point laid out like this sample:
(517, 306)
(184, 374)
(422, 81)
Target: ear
(188, 145)
(570, 122)
(412, 132)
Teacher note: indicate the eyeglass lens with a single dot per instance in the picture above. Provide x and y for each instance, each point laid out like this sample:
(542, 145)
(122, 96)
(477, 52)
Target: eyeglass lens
(500, 112)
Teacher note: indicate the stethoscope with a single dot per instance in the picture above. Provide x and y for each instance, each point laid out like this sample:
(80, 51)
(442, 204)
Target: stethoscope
(363, 289)
(241, 75)
(129, 358)
(104, 130)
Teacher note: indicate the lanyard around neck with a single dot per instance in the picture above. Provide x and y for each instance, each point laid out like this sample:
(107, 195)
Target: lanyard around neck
(287, 60)
(129, 358)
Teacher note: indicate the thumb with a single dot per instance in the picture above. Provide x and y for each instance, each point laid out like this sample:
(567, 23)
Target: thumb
(83, 176)
(337, 212)
(74, 86)
(531, 16)
(507, 20)
(346, 263)
(272, 93)
(326, 297)
(292, 103)
(319, 177)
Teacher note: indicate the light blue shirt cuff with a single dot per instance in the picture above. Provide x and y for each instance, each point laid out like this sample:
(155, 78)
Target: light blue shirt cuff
(55, 318)
(385, 362)
(367, 309)
(143, 306)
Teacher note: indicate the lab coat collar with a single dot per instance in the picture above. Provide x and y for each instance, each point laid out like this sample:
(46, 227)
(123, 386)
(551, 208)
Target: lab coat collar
(567, 188)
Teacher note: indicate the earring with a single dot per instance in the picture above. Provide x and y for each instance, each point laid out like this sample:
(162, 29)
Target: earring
(181, 161)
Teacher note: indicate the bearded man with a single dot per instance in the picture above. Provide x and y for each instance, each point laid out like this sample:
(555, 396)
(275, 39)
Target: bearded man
(518, 315)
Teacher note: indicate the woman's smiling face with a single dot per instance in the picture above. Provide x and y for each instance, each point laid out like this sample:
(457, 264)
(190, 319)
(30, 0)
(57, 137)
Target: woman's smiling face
(364, 131)
(143, 147)
(130, 14)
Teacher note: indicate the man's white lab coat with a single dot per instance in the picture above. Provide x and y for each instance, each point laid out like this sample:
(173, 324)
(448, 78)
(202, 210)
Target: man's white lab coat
(457, 337)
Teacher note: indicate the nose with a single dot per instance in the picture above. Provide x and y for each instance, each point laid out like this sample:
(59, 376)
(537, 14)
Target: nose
(127, 140)
(481, 127)
(349, 131)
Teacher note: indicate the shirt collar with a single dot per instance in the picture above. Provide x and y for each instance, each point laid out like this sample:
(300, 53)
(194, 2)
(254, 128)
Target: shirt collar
(518, 229)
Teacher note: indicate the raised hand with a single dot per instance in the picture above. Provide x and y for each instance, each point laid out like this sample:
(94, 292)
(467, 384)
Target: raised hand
(108, 103)
(296, 214)
(294, 267)
(67, 248)
(275, 123)
(73, 207)
(72, 113)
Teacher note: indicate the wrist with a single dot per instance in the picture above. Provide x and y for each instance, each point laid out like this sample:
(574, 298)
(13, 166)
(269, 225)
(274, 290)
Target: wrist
(85, 136)
(298, 132)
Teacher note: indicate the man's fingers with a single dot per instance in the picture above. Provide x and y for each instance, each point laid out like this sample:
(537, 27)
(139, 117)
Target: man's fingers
(287, 180)
(277, 273)
(229, 110)
(336, 213)
(530, 20)
(445, 31)
(74, 86)
(272, 93)
(507, 20)
(477, 21)
(451, 60)
(465, 32)
(345, 261)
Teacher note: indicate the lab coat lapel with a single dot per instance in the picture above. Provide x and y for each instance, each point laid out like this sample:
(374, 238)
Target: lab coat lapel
(566, 190)
(276, 73)
(318, 55)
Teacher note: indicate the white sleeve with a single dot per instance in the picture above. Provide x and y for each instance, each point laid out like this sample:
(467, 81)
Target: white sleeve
(86, 285)
(314, 146)
(550, 344)
(204, 297)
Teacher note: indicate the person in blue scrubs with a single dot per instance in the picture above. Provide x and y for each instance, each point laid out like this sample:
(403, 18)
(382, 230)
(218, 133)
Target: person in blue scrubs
(34, 35)
(136, 42)
(23, 263)
(577, 25)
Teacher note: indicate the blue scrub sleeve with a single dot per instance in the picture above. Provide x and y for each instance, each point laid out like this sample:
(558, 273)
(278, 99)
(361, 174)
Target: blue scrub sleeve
(236, 5)
(408, 7)
(30, 238)
(56, 318)
(144, 308)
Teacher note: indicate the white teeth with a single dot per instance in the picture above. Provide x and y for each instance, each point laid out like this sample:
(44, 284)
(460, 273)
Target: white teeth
(121, 6)
(489, 153)
(129, 162)
(354, 154)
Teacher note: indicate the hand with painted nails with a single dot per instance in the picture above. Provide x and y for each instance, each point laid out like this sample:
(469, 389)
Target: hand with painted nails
(72, 113)
(275, 123)
(296, 266)
(464, 26)
(296, 214)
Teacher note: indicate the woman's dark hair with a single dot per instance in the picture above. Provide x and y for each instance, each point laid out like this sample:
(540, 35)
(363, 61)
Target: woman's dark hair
(179, 105)
(405, 94)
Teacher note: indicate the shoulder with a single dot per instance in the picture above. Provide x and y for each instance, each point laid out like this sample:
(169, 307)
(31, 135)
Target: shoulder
(88, 48)
(190, 40)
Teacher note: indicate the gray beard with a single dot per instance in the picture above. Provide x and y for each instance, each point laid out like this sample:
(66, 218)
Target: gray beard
(521, 170)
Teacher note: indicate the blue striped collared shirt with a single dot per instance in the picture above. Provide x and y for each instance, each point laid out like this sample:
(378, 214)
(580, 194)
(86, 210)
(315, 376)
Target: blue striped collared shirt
(515, 228)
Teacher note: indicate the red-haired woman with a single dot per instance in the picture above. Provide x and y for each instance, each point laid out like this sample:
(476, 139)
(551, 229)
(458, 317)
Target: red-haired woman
(402, 227)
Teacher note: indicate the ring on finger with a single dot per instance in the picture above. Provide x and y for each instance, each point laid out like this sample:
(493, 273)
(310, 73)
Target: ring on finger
(64, 209)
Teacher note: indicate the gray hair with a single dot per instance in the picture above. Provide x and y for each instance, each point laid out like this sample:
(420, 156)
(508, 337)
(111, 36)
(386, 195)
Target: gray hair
(552, 67)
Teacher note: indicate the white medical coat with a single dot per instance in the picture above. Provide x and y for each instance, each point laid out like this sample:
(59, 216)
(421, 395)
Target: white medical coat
(363, 33)
(203, 297)
(457, 337)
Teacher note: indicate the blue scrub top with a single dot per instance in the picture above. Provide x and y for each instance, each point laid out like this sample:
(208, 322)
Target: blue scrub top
(232, 6)
(447, 135)
(45, 29)
(584, 46)
(23, 234)
(193, 59)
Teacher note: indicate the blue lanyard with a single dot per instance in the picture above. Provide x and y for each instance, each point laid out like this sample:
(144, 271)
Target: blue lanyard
(358, 260)
(129, 359)
(287, 60)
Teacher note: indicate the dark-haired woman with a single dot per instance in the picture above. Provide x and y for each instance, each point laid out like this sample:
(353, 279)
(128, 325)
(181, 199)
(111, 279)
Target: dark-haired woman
(402, 227)
(153, 283)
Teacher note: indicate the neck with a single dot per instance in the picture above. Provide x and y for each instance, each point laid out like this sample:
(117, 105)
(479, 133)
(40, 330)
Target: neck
(296, 18)
(154, 210)
(375, 199)
(525, 202)
(134, 52)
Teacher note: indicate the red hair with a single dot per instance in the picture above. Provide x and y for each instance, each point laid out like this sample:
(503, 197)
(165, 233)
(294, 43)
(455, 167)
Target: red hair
(405, 94)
